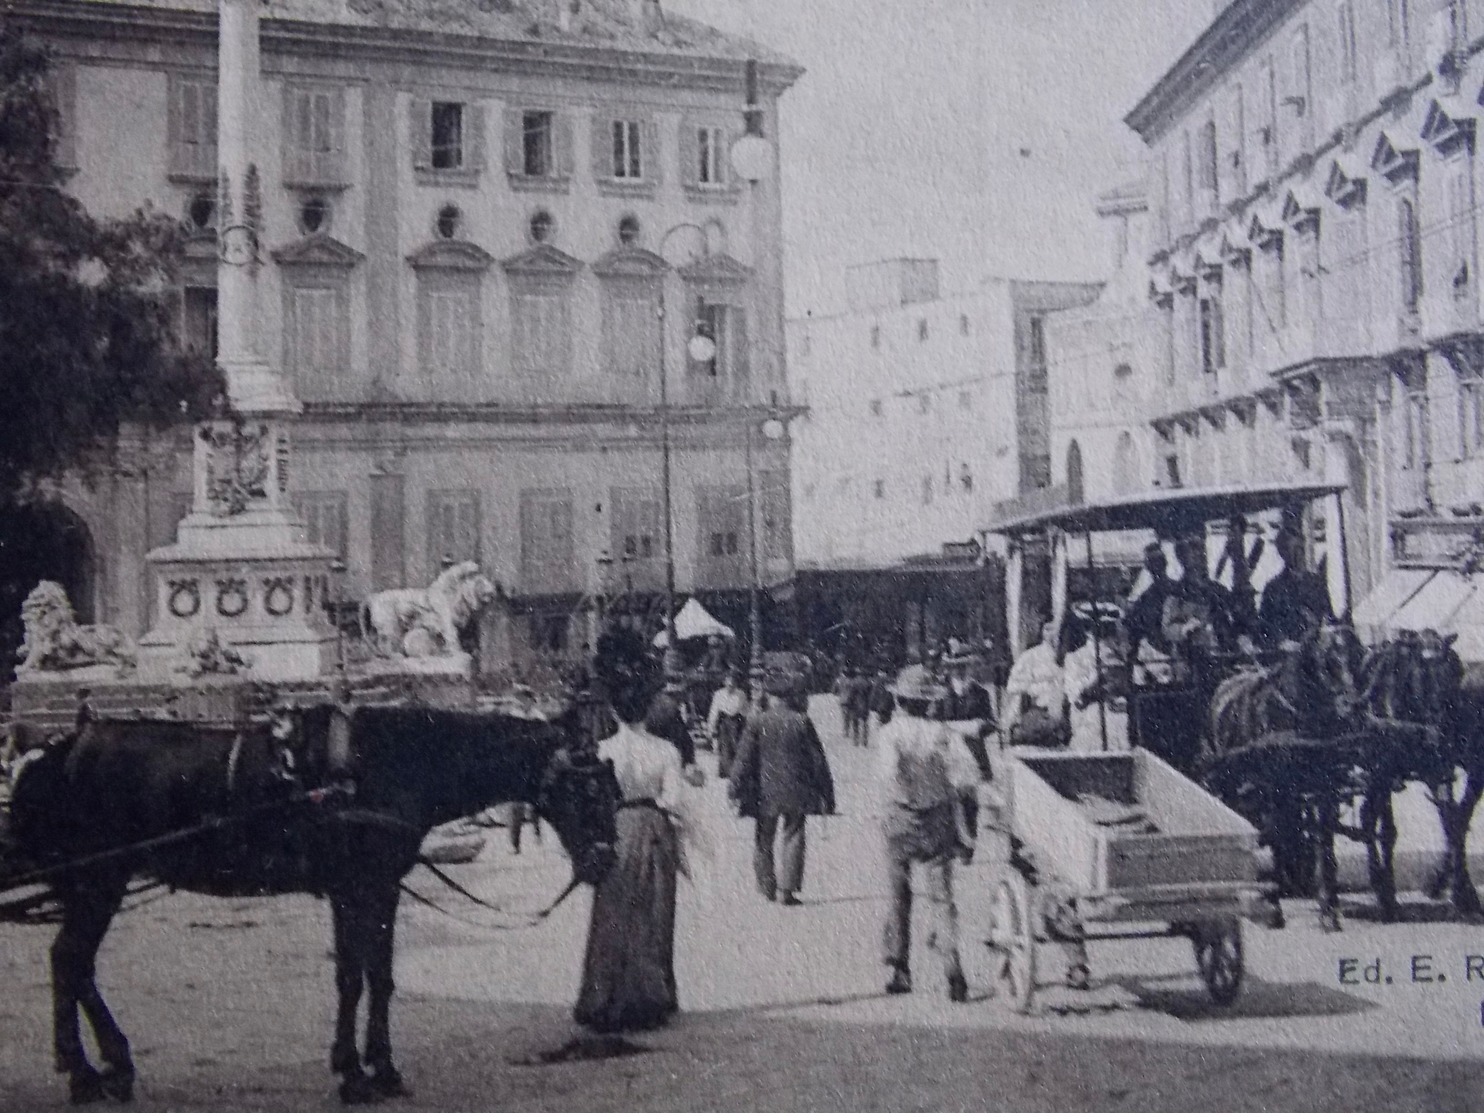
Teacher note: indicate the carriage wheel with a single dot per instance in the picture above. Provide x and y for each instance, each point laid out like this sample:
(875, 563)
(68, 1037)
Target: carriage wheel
(1218, 955)
(1012, 938)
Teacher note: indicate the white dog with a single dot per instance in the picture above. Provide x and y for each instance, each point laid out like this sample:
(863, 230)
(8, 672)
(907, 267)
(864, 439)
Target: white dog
(423, 622)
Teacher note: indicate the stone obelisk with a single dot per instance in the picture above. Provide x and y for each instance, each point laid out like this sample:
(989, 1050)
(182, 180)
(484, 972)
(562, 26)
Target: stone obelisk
(241, 566)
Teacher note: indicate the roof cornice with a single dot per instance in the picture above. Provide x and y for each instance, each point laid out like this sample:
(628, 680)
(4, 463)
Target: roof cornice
(590, 62)
(1240, 26)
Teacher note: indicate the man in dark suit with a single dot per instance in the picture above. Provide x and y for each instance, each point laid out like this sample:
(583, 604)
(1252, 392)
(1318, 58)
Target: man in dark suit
(1296, 599)
(667, 716)
(779, 777)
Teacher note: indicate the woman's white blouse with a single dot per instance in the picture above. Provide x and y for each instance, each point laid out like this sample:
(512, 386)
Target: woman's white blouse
(647, 767)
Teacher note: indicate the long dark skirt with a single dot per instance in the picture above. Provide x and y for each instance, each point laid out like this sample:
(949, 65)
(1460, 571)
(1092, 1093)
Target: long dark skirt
(628, 975)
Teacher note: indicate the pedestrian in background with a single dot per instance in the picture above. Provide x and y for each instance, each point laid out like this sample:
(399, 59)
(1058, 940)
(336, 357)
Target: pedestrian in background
(926, 773)
(780, 776)
(669, 718)
(724, 721)
(845, 688)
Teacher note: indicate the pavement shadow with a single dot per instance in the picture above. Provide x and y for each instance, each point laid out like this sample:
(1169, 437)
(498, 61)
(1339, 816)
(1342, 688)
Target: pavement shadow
(1258, 999)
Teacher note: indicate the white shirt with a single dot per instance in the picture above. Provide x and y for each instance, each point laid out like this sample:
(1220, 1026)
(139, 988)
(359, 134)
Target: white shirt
(913, 737)
(1037, 675)
(647, 767)
(731, 701)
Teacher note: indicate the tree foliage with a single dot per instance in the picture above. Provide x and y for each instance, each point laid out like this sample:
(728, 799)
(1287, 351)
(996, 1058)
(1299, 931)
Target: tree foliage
(87, 305)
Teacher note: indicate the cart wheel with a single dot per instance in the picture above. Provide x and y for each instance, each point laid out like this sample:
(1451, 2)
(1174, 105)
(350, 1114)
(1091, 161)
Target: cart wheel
(1013, 939)
(1218, 955)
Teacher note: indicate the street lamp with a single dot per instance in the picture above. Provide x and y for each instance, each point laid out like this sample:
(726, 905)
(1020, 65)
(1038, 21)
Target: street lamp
(699, 348)
(772, 429)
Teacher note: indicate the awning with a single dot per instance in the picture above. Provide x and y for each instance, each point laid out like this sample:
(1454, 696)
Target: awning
(693, 622)
(1435, 604)
(1395, 590)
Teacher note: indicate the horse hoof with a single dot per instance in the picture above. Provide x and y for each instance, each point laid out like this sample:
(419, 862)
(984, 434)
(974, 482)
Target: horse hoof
(356, 1089)
(118, 1084)
(85, 1087)
(388, 1083)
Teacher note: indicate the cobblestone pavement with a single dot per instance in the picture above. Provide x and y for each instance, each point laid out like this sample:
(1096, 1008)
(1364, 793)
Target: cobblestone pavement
(229, 1003)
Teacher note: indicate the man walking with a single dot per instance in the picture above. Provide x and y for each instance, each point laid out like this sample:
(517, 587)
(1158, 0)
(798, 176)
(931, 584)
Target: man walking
(779, 777)
(725, 720)
(926, 772)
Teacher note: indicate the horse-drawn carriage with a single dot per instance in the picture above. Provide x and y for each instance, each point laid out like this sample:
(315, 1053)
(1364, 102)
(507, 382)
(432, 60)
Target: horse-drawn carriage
(1227, 750)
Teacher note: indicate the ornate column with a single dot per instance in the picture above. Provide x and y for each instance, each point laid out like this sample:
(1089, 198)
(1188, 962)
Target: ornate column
(240, 567)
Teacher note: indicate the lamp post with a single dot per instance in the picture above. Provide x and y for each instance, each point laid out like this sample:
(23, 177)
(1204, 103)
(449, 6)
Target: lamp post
(699, 348)
(772, 429)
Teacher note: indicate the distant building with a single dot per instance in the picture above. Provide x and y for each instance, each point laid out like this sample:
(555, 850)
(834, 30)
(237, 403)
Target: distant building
(464, 209)
(924, 408)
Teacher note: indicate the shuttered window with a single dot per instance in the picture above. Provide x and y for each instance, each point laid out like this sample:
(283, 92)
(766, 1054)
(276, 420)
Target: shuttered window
(325, 519)
(631, 329)
(1409, 245)
(448, 140)
(727, 372)
(538, 147)
(314, 136)
(705, 156)
(542, 332)
(723, 556)
(638, 540)
(316, 349)
(450, 329)
(453, 528)
(191, 124)
(1461, 221)
(546, 549)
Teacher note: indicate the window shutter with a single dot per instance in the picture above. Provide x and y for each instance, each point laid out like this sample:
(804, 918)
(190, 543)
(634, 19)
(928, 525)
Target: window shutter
(62, 81)
(737, 341)
(562, 142)
(690, 155)
(297, 130)
(602, 147)
(474, 136)
(422, 133)
(653, 167)
(515, 161)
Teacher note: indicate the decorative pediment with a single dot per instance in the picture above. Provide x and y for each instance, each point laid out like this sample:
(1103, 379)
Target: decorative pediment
(1264, 229)
(1301, 207)
(1207, 260)
(631, 263)
(1449, 123)
(1235, 247)
(542, 262)
(317, 250)
(1393, 160)
(1215, 415)
(717, 267)
(1345, 184)
(451, 255)
(1161, 290)
(1244, 408)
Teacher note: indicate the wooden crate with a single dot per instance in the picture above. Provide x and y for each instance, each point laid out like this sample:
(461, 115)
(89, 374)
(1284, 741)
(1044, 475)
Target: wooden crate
(1199, 844)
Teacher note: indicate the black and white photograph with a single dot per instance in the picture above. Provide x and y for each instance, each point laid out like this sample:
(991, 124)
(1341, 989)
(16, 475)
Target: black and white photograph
(741, 555)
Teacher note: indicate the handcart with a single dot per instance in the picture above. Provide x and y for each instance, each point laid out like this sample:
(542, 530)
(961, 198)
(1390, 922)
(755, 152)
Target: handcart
(1125, 844)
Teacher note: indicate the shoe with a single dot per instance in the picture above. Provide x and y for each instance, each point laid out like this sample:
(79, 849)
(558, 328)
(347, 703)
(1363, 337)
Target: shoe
(958, 988)
(901, 980)
(789, 900)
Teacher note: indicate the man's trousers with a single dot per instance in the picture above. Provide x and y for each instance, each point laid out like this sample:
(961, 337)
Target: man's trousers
(790, 874)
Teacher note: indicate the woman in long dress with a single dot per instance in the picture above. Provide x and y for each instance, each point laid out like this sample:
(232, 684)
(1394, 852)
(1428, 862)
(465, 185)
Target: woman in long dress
(628, 974)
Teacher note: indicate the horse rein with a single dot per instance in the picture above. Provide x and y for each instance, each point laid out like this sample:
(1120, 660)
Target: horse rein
(533, 920)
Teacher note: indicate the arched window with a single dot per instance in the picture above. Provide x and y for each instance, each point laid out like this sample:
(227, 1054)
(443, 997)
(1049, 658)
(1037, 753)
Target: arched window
(1074, 472)
(1409, 241)
(1125, 465)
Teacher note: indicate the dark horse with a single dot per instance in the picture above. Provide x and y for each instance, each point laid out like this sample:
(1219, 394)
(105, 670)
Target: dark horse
(1278, 750)
(254, 829)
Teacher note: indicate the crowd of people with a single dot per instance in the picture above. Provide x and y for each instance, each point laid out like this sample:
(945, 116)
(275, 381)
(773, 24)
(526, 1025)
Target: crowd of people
(930, 725)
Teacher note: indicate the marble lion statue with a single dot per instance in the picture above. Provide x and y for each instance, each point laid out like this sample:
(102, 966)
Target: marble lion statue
(54, 640)
(418, 623)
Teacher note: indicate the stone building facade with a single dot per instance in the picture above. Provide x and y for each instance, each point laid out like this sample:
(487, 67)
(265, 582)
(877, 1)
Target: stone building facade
(1313, 292)
(486, 231)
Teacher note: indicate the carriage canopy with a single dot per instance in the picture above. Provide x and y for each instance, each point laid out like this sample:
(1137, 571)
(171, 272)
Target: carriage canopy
(1166, 511)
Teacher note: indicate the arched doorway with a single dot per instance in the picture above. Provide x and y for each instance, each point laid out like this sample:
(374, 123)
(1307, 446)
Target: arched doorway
(1074, 472)
(41, 541)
